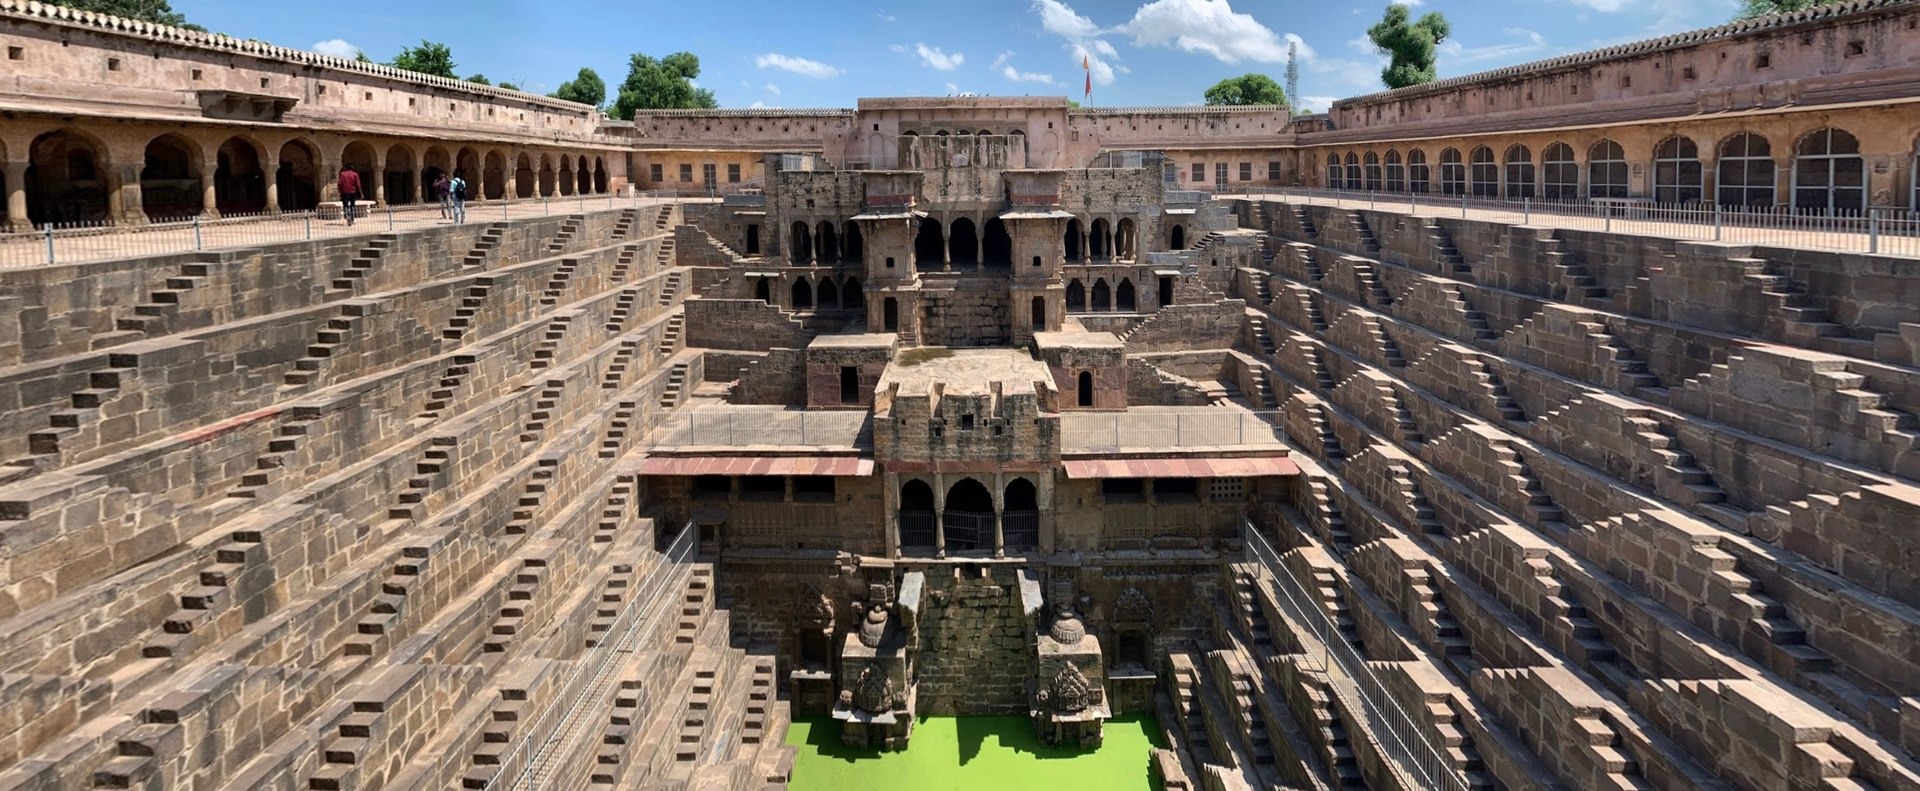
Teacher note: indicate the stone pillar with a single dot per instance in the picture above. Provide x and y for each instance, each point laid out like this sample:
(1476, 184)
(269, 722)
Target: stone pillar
(422, 188)
(209, 195)
(272, 165)
(124, 204)
(379, 182)
(890, 500)
(17, 219)
(329, 181)
(979, 247)
(939, 515)
(512, 192)
(946, 249)
(999, 507)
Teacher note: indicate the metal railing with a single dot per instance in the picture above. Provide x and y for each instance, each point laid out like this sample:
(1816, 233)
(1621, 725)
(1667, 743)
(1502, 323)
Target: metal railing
(1199, 426)
(730, 428)
(552, 738)
(1892, 232)
(80, 242)
(1395, 733)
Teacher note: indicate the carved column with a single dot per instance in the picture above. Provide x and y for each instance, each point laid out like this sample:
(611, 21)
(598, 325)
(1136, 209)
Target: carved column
(979, 246)
(272, 166)
(939, 515)
(999, 506)
(379, 181)
(209, 195)
(512, 192)
(124, 204)
(17, 219)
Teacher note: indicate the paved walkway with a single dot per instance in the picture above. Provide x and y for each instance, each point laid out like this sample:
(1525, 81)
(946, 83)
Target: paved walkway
(110, 243)
(1899, 232)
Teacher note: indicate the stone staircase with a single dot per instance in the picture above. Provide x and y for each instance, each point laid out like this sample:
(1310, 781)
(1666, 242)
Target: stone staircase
(151, 319)
(441, 398)
(352, 280)
(676, 390)
(670, 336)
(68, 429)
(569, 227)
(557, 284)
(259, 484)
(470, 305)
(489, 242)
(340, 329)
(549, 348)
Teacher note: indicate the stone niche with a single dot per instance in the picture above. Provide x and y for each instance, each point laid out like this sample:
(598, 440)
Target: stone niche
(843, 369)
(1089, 368)
(876, 703)
(1068, 691)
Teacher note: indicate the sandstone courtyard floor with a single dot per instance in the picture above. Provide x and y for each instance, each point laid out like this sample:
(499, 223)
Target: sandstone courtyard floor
(973, 754)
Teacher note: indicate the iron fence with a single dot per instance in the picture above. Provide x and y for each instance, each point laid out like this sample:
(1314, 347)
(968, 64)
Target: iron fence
(1196, 427)
(1396, 734)
(551, 740)
(1891, 232)
(100, 240)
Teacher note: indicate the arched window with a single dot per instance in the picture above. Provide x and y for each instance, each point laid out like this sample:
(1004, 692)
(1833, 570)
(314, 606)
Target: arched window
(1746, 175)
(1336, 178)
(1085, 388)
(1353, 171)
(1828, 174)
(1123, 240)
(1559, 175)
(968, 519)
(828, 242)
(916, 516)
(1453, 173)
(800, 244)
(851, 296)
(763, 290)
(962, 246)
(1123, 298)
(802, 294)
(1678, 176)
(1102, 296)
(1020, 516)
(1100, 240)
(996, 248)
(930, 245)
(1073, 239)
(1419, 175)
(1519, 162)
(1177, 238)
(829, 294)
(1396, 173)
(852, 243)
(1371, 168)
(1076, 296)
(1606, 170)
(1483, 176)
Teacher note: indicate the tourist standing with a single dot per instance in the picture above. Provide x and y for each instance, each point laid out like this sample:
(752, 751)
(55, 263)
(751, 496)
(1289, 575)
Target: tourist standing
(349, 192)
(445, 196)
(457, 192)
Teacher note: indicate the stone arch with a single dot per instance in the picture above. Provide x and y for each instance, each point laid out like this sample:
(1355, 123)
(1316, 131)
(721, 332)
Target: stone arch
(1607, 170)
(1559, 176)
(828, 241)
(1483, 178)
(827, 294)
(493, 185)
(583, 177)
(1829, 175)
(525, 180)
(239, 177)
(1396, 173)
(1453, 172)
(357, 156)
(1419, 175)
(1678, 175)
(1370, 170)
(996, 246)
(1100, 240)
(1744, 172)
(968, 518)
(802, 294)
(1073, 239)
(466, 165)
(1354, 180)
(929, 245)
(399, 174)
(298, 177)
(763, 290)
(1076, 296)
(800, 243)
(1123, 297)
(1177, 238)
(170, 178)
(916, 516)
(1102, 296)
(852, 243)
(600, 175)
(1336, 177)
(565, 179)
(1518, 161)
(1020, 515)
(963, 247)
(548, 177)
(433, 164)
(1124, 240)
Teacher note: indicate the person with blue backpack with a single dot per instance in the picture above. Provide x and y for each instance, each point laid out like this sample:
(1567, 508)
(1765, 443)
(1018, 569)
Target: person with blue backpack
(457, 192)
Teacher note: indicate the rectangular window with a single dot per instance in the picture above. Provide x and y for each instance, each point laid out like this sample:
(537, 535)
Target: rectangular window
(1246, 171)
(753, 239)
(20, 53)
(707, 175)
(1220, 173)
(657, 172)
(1273, 170)
(733, 173)
(1199, 172)
(686, 174)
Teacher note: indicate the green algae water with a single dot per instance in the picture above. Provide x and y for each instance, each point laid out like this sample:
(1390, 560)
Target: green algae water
(974, 754)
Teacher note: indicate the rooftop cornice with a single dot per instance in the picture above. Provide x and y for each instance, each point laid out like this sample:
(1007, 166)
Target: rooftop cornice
(1183, 109)
(28, 10)
(1744, 27)
(746, 112)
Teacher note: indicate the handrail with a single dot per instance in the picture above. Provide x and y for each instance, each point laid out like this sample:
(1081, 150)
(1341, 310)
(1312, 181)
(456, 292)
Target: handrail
(1396, 734)
(526, 767)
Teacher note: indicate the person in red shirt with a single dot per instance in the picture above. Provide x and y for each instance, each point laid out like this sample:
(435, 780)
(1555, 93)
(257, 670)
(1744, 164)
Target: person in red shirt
(349, 192)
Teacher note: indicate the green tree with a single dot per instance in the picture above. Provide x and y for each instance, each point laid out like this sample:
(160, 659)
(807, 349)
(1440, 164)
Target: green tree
(1411, 45)
(585, 88)
(430, 57)
(509, 86)
(155, 11)
(360, 56)
(1753, 8)
(1249, 88)
(480, 78)
(663, 84)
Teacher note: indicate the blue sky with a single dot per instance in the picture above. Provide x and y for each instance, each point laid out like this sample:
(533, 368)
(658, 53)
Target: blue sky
(785, 53)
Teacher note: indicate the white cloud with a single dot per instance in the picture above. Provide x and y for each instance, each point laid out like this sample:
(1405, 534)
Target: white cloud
(1603, 6)
(1528, 43)
(952, 89)
(1082, 38)
(336, 47)
(800, 66)
(758, 105)
(1005, 66)
(932, 56)
(900, 49)
(773, 89)
(1207, 26)
(884, 17)
(1408, 3)
(1316, 104)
